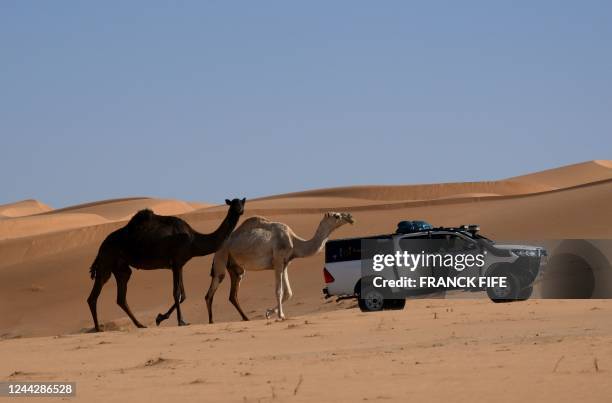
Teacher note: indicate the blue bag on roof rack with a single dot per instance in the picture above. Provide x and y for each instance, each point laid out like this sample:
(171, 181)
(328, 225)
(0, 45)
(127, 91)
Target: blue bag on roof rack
(408, 227)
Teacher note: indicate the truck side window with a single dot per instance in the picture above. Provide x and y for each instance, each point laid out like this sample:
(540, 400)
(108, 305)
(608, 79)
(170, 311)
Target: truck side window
(458, 244)
(414, 244)
(440, 243)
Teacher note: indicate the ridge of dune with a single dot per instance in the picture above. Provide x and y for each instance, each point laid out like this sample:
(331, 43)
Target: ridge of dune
(23, 208)
(468, 195)
(41, 224)
(199, 205)
(569, 175)
(604, 163)
(88, 215)
(536, 182)
(328, 203)
(293, 202)
(587, 202)
(585, 199)
(323, 204)
(419, 192)
(98, 203)
(124, 208)
(99, 212)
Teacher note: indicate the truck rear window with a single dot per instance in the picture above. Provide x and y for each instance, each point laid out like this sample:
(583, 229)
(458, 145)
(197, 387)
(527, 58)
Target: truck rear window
(342, 250)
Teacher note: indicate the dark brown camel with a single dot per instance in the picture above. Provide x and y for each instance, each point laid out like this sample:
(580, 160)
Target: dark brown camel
(149, 242)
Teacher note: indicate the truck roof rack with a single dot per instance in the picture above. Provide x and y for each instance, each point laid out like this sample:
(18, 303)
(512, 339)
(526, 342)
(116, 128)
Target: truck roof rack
(413, 226)
(471, 228)
(409, 227)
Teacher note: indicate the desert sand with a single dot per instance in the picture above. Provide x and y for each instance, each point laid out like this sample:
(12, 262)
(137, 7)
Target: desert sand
(435, 349)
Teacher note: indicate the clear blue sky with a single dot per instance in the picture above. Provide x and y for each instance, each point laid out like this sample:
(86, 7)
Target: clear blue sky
(207, 100)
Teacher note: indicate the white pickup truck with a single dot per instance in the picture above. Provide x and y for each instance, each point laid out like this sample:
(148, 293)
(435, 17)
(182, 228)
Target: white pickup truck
(345, 260)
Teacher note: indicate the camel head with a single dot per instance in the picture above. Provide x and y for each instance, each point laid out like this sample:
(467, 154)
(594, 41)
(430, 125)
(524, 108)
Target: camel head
(336, 220)
(236, 205)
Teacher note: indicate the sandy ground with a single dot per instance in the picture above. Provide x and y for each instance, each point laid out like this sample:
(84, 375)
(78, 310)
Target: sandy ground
(434, 350)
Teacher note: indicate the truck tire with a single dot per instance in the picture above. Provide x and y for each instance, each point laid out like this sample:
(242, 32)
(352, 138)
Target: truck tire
(395, 304)
(371, 300)
(525, 293)
(508, 293)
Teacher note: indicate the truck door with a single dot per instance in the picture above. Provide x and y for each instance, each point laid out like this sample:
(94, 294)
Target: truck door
(462, 247)
(414, 245)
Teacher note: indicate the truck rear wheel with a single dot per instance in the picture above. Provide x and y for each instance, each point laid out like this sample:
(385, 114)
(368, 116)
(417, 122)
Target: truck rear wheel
(371, 300)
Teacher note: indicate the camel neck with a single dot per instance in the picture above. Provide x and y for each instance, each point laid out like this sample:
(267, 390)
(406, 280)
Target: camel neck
(310, 247)
(205, 244)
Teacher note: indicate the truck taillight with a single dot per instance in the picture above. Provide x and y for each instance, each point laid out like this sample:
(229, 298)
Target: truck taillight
(328, 277)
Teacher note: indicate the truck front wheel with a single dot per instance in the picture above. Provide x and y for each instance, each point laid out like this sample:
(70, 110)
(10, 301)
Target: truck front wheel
(508, 293)
(525, 293)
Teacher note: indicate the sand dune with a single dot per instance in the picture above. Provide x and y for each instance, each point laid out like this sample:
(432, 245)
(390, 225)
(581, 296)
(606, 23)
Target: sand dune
(571, 175)
(87, 215)
(561, 213)
(383, 197)
(199, 205)
(420, 192)
(41, 224)
(553, 179)
(23, 208)
(123, 209)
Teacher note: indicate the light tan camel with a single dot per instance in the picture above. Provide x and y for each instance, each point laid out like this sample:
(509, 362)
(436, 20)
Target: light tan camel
(261, 244)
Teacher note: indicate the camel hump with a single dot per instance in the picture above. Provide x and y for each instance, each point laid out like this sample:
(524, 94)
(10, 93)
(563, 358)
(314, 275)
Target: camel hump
(143, 216)
(255, 220)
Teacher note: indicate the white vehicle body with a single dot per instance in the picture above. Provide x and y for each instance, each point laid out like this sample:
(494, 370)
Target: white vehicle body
(344, 275)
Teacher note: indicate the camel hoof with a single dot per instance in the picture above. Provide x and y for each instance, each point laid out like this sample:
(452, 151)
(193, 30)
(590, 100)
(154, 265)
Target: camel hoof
(160, 318)
(183, 323)
(141, 326)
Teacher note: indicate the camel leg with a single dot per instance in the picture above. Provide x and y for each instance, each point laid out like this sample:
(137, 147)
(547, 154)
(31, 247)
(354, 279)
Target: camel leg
(163, 316)
(217, 272)
(236, 272)
(287, 293)
(92, 301)
(214, 284)
(278, 274)
(177, 280)
(123, 276)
